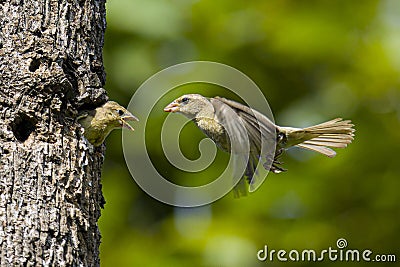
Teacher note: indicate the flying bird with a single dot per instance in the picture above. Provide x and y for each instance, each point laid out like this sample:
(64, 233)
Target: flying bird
(228, 122)
(98, 123)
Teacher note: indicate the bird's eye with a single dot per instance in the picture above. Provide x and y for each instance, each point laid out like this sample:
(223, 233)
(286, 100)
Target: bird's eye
(120, 112)
(185, 99)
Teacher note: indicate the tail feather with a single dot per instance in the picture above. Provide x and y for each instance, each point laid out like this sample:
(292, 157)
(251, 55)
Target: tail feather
(325, 143)
(337, 138)
(335, 127)
(320, 149)
(336, 133)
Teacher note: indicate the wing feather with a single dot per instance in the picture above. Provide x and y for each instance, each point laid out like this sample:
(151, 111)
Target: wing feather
(257, 129)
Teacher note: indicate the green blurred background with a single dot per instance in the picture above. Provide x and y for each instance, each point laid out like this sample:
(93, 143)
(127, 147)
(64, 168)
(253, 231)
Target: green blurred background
(314, 60)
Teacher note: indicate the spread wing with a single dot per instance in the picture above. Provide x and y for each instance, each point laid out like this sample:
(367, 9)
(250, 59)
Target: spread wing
(254, 126)
(234, 126)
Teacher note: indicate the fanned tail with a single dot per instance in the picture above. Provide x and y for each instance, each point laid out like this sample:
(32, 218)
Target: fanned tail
(321, 138)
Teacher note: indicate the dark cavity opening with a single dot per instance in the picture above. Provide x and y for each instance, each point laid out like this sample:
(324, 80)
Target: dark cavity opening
(35, 64)
(23, 126)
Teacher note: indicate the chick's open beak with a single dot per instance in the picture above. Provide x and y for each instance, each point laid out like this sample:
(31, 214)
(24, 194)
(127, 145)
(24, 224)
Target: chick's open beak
(172, 107)
(128, 117)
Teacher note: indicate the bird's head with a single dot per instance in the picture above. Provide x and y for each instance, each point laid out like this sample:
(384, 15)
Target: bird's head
(117, 116)
(190, 105)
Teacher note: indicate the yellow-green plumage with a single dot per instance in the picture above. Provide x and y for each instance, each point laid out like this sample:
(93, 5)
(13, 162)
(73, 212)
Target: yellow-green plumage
(100, 122)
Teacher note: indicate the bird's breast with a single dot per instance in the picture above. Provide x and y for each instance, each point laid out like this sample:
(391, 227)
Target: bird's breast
(215, 131)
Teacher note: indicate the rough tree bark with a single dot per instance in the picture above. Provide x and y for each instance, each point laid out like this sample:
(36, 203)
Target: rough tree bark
(50, 192)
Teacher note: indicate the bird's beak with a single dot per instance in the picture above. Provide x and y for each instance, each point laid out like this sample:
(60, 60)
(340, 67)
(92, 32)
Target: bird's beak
(128, 117)
(172, 107)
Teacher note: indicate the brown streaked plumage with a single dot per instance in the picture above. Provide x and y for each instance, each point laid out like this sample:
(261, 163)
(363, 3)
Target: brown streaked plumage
(98, 123)
(217, 116)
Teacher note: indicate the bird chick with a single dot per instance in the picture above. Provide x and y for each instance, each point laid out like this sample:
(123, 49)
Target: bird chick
(214, 115)
(98, 123)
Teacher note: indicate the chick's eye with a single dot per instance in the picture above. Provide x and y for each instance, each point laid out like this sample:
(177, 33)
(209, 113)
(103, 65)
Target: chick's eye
(185, 100)
(120, 112)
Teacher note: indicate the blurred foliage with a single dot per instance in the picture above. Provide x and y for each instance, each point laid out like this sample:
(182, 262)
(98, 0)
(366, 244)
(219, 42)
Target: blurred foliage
(314, 60)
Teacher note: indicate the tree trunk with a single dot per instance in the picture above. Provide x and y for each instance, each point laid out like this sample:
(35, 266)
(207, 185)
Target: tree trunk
(50, 192)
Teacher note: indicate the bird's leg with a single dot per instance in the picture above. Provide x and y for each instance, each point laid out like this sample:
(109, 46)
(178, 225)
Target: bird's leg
(275, 168)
